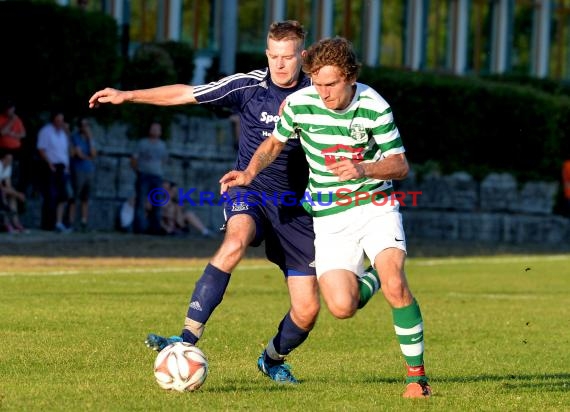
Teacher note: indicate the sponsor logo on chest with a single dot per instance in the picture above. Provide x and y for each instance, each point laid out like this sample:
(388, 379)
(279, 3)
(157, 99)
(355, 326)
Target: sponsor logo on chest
(268, 118)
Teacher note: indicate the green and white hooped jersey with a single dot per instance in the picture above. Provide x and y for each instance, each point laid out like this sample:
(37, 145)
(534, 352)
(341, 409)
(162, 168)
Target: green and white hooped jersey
(364, 131)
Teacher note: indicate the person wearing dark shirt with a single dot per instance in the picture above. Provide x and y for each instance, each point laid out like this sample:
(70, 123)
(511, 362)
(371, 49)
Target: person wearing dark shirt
(148, 161)
(83, 153)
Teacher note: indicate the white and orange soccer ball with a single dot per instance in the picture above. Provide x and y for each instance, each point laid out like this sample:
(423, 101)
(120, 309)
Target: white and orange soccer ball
(181, 366)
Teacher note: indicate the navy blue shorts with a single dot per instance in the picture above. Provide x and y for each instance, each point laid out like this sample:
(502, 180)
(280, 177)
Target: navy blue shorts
(287, 230)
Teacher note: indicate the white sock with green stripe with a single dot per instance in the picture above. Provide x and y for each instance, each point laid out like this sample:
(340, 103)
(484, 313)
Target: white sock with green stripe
(409, 328)
(368, 285)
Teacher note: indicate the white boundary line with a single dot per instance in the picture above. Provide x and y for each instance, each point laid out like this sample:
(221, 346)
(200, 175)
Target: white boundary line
(487, 259)
(192, 268)
(135, 270)
(497, 296)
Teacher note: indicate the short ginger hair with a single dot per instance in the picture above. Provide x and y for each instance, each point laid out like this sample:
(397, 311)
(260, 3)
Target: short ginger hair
(336, 52)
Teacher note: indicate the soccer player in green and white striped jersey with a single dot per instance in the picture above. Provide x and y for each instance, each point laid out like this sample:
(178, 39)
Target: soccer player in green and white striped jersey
(363, 131)
(354, 151)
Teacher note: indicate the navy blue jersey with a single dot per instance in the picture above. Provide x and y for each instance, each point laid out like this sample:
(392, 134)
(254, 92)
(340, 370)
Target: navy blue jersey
(256, 100)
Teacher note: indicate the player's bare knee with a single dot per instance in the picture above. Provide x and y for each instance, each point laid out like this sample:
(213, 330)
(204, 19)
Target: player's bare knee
(305, 316)
(342, 311)
(394, 288)
(232, 248)
(397, 293)
(391, 260)
(304, 320)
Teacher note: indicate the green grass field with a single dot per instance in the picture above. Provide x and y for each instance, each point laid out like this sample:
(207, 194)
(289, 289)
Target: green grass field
(497, 333)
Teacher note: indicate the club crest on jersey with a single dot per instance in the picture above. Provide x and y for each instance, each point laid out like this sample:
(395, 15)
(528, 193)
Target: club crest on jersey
(358, 133)
(240, 206)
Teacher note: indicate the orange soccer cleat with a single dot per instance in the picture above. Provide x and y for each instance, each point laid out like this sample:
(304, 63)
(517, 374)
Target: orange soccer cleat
(420, 389)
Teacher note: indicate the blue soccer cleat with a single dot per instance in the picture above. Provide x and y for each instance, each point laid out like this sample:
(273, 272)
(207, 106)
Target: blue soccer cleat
(158, 343)
(280, 373)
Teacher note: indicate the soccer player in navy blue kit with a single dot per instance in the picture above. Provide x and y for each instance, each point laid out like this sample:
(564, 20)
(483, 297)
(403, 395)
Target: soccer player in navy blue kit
(271, 212)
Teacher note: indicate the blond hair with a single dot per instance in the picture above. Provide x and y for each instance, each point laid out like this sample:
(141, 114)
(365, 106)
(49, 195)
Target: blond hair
(287, 30)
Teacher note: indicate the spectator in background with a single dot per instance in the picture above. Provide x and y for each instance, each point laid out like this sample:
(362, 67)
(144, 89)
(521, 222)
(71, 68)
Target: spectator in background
(148, 161)
(9, 196)
(53, 147)
(176, 219)
(566, 186)
(83, 153)
(12, 130)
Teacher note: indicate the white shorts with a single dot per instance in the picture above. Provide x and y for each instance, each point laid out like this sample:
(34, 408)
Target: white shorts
(342, 239)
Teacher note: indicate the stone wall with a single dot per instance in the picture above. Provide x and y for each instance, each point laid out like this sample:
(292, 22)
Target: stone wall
(497, 209)
(486, 227)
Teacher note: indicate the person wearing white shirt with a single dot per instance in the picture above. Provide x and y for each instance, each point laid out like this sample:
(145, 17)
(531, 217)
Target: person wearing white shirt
(53, 147)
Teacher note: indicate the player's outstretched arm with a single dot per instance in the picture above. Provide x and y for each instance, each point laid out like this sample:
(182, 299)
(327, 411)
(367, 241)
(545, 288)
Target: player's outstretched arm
(263, 157)
(171, 95)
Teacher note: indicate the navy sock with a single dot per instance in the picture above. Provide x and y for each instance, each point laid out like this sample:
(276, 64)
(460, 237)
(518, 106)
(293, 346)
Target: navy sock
(289, 336)
(189, 337)
(208, 293)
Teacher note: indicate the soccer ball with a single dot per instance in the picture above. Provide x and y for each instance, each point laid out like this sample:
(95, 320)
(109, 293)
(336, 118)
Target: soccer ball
(181, 366)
